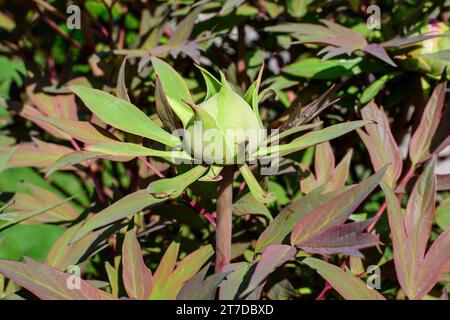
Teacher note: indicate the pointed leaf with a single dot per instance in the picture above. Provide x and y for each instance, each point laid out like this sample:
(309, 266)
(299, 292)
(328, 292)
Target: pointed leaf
(137, 278)
(123, 115)
(420, 144)
(272, 257)
(254, 186)
(127, 206)
(174, 187)
(175, 89)
(348, 286)
(199, 288)
(345, 238)
(336, 211)
(45, 282)
(381, 144)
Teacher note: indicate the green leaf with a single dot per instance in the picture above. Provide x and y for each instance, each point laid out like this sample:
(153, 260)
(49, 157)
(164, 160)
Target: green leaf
(311, 138)
(126, 149)
(123, 115)
(374, 88)
(175, 89)
(247, 204)
(348, 286)
(63, 253)
(174, 187)
(127, 206)
(212, 84)
(73, 158)
(314, 68)
(167, 281)
(254, 186)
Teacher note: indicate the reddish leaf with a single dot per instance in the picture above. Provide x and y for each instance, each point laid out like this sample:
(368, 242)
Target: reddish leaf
(137, 278)
(381, 144)
(48, 283)
(344, 238)
(336, 211)
(420, 144)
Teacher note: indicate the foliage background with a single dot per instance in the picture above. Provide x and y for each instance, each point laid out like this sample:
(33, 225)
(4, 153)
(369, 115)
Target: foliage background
(40, 55)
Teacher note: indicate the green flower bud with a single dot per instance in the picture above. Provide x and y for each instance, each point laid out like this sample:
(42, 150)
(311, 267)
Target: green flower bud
(222, 128)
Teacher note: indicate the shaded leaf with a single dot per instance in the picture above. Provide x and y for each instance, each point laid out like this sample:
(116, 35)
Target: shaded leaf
(127, 206)
(272, 257)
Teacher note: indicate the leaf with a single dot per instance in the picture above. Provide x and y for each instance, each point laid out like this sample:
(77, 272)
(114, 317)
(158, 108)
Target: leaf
(336, 211)
(417, 270)
(348, 286)
(174, 187)
(420, 212)
(80, 130)
(374, 88)
(121, 88)
(167, 281)
(324, 162)
(420, 144)
(345, 238)
(175, 89)
(381, 144)
(39, 206)
(5, 157)
(230, 4)
(122, 115)
(73, 158)
(201, 288)
(312, 138)
(137, 278)
(184, 28)
(314, 68)
(165, 112)
(126, 149)
(254, 186)
(212, 84)
(127, 206)
(63, 253)
(286, 220)
(45, 282)
(272, 257)
(38, 154)
(302, 115)
(247, 204)
(341, 172)
(236, 272)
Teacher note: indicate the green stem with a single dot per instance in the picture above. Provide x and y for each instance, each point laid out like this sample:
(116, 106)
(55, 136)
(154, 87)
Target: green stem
(224, 217)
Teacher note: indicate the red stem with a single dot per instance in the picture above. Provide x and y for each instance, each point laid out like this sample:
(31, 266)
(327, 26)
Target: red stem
(224, 214)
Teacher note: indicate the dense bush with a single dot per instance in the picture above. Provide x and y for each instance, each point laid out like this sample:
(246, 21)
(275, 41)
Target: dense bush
(326, 175)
